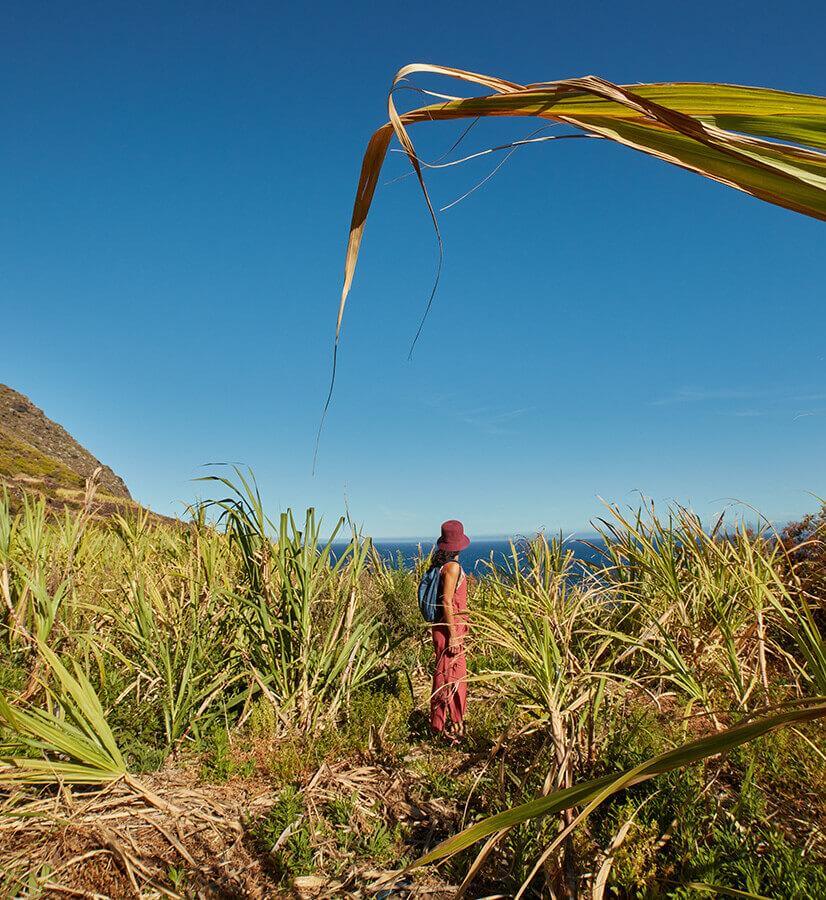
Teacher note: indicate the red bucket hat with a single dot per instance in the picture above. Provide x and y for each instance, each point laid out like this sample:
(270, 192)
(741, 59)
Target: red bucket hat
(453, 537)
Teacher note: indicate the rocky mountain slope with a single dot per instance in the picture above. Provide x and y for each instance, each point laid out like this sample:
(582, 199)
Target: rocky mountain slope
(38, 454)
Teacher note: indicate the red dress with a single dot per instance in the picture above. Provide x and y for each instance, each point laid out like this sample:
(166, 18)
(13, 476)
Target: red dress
(449, 695)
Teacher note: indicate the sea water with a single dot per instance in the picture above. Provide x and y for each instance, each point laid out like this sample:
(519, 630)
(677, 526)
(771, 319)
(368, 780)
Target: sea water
(478, 557)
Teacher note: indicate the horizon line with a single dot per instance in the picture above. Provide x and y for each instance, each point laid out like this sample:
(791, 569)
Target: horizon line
(406, 539)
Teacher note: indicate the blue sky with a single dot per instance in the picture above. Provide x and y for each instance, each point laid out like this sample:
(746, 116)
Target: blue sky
(176, 184)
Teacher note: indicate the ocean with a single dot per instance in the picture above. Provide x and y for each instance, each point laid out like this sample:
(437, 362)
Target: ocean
(479, 554)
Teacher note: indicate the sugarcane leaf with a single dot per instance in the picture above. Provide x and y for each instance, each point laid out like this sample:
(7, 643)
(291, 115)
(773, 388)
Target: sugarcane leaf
(89, 711)
(81, 733)
(716, 130)
(596, 791)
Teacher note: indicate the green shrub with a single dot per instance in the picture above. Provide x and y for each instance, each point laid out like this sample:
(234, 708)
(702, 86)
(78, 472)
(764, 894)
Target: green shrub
(137, 726)
(287, 761)
(286, 823)
(217, 763)
(383, 707)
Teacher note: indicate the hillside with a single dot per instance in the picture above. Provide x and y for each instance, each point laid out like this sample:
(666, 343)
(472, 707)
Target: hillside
(39, 455)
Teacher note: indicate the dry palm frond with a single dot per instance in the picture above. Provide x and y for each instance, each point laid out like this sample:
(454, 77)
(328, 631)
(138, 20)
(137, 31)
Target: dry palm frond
(764, 142)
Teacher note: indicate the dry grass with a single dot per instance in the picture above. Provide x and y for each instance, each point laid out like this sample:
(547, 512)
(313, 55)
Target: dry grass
(126, 839)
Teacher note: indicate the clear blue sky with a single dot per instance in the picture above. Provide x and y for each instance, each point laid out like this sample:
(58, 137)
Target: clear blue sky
(176, 181)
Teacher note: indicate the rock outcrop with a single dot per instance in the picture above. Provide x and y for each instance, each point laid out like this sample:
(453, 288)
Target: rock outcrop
(33, 448)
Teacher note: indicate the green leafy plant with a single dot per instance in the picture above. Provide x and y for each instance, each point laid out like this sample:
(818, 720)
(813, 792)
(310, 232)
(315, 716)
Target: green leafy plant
(590, 794)
(75, 728)
(285, 835)
(309, 639)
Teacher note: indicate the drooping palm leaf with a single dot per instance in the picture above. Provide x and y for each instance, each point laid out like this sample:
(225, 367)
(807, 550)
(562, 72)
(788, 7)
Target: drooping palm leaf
(764, 142)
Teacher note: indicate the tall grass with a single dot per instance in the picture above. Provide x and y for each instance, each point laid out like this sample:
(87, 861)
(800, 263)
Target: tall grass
(186, 626)
(308, 639)
(130, 639)
(672, 611)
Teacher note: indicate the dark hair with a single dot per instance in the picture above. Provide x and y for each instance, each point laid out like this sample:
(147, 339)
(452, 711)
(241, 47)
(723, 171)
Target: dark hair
(440, 557)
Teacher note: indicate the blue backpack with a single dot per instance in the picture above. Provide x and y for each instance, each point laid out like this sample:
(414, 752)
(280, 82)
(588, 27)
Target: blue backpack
(429, 594)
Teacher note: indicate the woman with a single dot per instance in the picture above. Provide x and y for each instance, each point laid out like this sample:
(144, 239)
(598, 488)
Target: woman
(449, 698)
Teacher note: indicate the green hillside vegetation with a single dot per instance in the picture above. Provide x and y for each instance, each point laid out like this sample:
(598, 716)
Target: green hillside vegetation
(18, 458)
(227, 709)
(26, 472)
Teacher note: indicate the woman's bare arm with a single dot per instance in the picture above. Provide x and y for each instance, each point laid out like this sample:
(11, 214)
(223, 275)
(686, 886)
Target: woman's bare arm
(451, 575)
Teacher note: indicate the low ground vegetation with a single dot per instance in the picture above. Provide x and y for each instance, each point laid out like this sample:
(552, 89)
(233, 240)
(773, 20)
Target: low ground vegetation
(229, 707)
